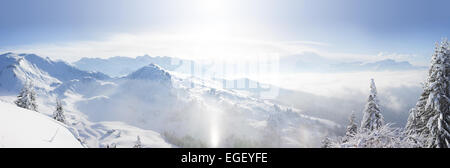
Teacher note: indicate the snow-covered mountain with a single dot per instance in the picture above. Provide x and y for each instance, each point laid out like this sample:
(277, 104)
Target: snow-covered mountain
(165, 109)
(386, 64)
(151, 72)
(61, 70)
(311, 62)
(15, 69)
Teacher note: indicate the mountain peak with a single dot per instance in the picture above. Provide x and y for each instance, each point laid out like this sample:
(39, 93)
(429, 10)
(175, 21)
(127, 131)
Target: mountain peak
(9, 59)
(151, 72)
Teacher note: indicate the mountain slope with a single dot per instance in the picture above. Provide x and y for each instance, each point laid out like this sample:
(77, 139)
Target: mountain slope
(17, 69)
(24, 128)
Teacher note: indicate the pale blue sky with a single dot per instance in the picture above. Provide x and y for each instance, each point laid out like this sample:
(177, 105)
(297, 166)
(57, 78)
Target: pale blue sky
(355, 26)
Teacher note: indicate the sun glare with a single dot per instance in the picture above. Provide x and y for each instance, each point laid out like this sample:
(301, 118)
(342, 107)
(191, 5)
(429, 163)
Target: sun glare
(211, 7)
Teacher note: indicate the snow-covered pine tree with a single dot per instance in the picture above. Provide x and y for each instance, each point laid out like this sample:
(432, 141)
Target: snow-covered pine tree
(138, 143)
(430, 118)
(326, 143)
(372, 118)
(27, 97)
(58, 115)
(384, 137)
(352, 128)
(113, 145)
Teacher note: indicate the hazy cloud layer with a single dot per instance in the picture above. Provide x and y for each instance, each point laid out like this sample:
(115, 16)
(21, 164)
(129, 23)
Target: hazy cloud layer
(199, 46)
(335, 95)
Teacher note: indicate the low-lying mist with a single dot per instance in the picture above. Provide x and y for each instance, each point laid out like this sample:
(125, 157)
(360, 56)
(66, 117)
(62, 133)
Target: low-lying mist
(204, 116)
(305, 108)
(334, 96)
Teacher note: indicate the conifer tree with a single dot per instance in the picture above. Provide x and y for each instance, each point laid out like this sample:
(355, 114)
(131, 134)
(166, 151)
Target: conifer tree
(58, 115)
(352, 128)
(372, 118)
(138, 143)
(430, 118)
(27, 98)
(326, 143)
(113, 145)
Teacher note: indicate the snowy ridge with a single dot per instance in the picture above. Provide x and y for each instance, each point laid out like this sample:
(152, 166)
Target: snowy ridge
(61, 70)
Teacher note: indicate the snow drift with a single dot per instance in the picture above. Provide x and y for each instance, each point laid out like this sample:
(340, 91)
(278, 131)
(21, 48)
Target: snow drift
(24, 128)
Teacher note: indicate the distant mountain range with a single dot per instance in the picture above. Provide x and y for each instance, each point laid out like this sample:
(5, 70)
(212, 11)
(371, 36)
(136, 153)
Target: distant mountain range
(310, 62)
(386, 64)
(120, 66)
